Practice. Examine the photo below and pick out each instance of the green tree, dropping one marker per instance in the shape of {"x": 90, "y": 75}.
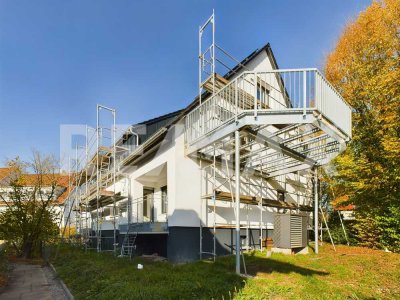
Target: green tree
{"x": 364, "y": 67}
{"x": 31, "y": 199}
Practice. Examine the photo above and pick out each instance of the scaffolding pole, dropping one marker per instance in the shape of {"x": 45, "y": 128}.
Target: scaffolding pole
{"x": 98, "y": 238}
{"x": 214, "y": 206}
{"x": 87, "y": 232}
{"x": 114, "y": 162}
{"x": 316, "y": 208}
{"x": 201, "y": 213}
{"x": 237, "y": 196}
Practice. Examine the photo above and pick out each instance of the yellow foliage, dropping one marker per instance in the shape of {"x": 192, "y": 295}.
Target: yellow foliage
{"x": 365, "y": 68}
{"x": 69, "y": 231}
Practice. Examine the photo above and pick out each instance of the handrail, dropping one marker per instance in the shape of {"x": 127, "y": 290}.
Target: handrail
{"x": 281, "y": 90}
{"x": 333, "y": 88}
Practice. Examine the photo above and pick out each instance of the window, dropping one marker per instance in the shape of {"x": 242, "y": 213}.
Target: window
{"x": 145, "y": 204}
{"x": 280, "y": 195}
{"x": 148, "y": 202}
{"x": 262, "y": 96}
{"x": 106, "y": 212}
{"x": 164, "y": 201}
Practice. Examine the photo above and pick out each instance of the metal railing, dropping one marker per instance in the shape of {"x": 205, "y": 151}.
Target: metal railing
{"x": 275, "y": 90}
{"x": 149, "y": 208}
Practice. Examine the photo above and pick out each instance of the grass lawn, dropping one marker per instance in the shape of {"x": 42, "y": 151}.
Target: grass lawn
{"x": 350, "y": 273}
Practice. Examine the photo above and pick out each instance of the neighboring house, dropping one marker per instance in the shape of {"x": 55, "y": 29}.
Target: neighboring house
{"x": 341, "y": 205}
{"x": 29, "y": 182}
{"x": 172, "y": 189}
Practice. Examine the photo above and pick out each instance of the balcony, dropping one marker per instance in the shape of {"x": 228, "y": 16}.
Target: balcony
{"x": 295, "y": 113}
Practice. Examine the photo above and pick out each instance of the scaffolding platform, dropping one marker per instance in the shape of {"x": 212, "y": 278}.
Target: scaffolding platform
{"x": 252, "y": 200}
{"x": 105, "y": 198}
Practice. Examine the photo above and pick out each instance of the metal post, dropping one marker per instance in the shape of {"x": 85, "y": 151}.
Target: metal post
{"x": 98, "y": 240}
{"x": 76, "y": 188}
{"x": 261, "y": 208}
{"x": 201, "y": 213}
{"x": 316, "y": 208}
{"x": 87, "y": 233}
{"x": 236, "y": 100}
{"x": 304, "y": 93}
{"x": 213, "y": 51}
{"x": 327, "y": 228}
{"x": 114, "y": 182}
{"x": 237, "y": 196}
{"x": 214, "y": 205}
{"x": 200, "y": 63}
{"x": 344, "y": 229}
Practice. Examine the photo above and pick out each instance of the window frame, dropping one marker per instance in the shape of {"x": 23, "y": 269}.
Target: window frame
{"x": 164, "y": 199}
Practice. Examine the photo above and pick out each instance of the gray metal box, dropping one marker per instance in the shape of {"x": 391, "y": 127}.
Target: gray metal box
{"x": 290, "y": 231}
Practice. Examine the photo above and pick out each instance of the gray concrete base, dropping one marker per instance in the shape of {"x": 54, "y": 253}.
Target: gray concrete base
{"x": 302, "y": 250}
{"x": 289, "y": 251}
{"x": 282, "y": 250}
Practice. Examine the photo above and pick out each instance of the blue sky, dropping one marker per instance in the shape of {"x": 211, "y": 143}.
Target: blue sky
{"x": 59, "y": 58}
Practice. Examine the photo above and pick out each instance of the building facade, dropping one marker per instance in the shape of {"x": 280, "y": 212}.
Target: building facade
{"x": 170, "y": 185}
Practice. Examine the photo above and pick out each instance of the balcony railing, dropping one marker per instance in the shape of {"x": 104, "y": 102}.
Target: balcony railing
{"x": 294, "y": 90}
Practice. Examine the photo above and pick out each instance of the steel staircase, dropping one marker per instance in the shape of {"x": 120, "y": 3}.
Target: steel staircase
{"x": 129, "y": 243}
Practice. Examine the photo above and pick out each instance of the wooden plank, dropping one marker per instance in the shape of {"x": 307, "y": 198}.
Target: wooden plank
{"x": 220, "y": 82}
{"x": 227, "y": 196}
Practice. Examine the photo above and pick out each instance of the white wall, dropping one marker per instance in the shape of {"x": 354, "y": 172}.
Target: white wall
{"x": 183, "y": 178}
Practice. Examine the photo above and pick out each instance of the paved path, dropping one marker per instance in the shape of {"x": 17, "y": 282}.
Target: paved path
{"x": 31, "y": 282}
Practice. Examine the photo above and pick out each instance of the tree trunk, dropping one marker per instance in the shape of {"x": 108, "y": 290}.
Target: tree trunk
{"x": 27, "y": 249}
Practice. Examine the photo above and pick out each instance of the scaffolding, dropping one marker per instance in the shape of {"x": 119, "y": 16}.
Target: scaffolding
{"x": 265, "y": 125}
{"x": 93, "y": 177}
{"x": 100, "y": 191}
{"x": 254, "y": 133}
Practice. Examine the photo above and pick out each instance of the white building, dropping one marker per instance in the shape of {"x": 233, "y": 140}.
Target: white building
{"x": 46, "y": 185}
{"x": 168, "y": 185}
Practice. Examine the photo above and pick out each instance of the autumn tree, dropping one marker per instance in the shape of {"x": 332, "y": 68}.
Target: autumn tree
{"x": 30, "y": 192}
{"x": 364, "y": 67}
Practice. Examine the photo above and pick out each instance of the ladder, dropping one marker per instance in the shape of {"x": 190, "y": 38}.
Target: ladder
{"x": 129, "y": 243}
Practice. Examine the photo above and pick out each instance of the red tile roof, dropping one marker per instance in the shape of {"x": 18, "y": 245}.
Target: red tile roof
{"x": 59, "y": 180}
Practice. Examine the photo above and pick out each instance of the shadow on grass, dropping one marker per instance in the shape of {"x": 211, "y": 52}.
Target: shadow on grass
{"x": 256, "y": 265}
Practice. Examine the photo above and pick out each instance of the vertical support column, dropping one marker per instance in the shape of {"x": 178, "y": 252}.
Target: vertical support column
{"x": 261, "y": 209}
{"x": 214, "y": 205}
{"x": 114, "y": 156}
{"x": 87, "y": 232}
{"x": 237, "y": 196}
{"x": 213, "y": 51}
{"x": 201, "y": 213}
{"x": 316, "y": 208}
{"x": 76, "y": 190}
{"x": 236, "y": 100}
{"x": 98, "y": 238}
{"x": 200, "y": 62}
{"x": 304, "y": 93}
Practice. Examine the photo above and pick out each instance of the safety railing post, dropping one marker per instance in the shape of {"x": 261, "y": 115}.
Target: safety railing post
{"x": 304, "y": 93}
{"x": 236, "y": 100}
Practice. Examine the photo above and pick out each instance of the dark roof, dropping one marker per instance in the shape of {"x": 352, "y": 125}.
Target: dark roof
{"x": 239, "y": 66}
{"x": 160, "y": 118}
